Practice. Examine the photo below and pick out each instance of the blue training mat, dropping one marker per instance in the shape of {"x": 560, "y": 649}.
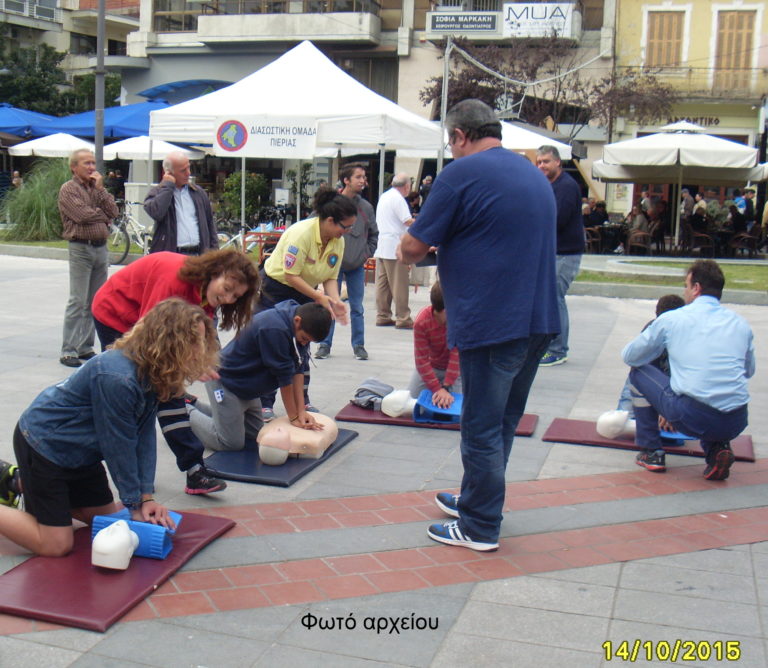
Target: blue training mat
{"x": 154, "y": 540}
{"x": 245, "y": 465}
{"x": 426, "y": 411}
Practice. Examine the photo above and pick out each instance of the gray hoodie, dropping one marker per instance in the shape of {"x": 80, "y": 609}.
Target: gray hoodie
{"x": 361, "y": 241}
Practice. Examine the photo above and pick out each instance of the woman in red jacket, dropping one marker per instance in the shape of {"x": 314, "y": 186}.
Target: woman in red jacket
{"x": 223, "y": 281}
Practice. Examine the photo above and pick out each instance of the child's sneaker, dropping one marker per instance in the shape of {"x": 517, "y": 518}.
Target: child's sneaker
{"x": 9, "y": 484}
{"x": 652, "y": 460}
{"x": 201, "y": 482}
{"x": 267, "y": 414}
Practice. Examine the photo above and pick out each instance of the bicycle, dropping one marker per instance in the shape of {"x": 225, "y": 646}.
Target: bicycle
{"x": 126, "y": 230}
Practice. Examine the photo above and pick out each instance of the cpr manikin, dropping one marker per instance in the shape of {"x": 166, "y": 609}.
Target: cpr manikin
{"x": 114, "y": 546}
{"x": 399, "y": 403}
{"x": 279, "y": 438}
{"x": 616, "y": 424}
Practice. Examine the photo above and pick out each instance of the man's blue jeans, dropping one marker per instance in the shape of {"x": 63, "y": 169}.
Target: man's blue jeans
{"x": 652, "y": 395}
{"x": 567, "y": 268}
{"x": 496, "y": 382}
{"x": 355, "y": 291}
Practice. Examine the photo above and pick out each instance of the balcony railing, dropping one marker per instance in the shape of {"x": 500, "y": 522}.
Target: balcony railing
{"x": 47, "y": 10}
{"x": 120, "y": 7}
{"x": 722, "y": 83}
{"x": 168, "y": 17}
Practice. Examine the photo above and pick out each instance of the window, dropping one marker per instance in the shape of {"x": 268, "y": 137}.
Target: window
{"x": 664, "y": 45}
{"x": 733, "y": 54}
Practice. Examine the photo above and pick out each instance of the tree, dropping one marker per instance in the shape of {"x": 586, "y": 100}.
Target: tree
{"x": 33, "y": 79}
{"x": 256, "y": 194}
{"x": 82, "y": 96}
{"x": 304, "y": 178}
{"x": 565, "y": 95}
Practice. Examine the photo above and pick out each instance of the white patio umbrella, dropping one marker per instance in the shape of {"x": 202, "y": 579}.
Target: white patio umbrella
{"x": 681, "y": 152}
{"x": 59, "y": 145}
{"x": 138, "y": 148}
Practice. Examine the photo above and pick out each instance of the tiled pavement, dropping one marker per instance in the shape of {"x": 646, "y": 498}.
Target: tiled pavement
{"x": 593, "y": 549}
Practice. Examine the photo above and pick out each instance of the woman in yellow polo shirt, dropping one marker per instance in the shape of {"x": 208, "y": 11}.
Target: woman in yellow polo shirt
{"x": 309, "y": 254}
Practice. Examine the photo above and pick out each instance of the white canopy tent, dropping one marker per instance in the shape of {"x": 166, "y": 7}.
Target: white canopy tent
{"x": 680, "y": 153}
{"x": 59, "y": 145}
{"x": 292, "y": 107}
{"x": 513, "y": 137}
{"x": 145, "y": 148}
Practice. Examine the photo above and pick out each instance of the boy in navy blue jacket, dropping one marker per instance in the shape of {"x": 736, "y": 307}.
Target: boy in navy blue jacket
{"x": 271, "y": 352}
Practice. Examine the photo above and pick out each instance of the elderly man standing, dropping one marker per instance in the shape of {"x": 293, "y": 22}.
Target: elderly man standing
{"x": 181, "y": 211}
{"x": 394, "y": 218}
{"x": 87, "y": 210}
{"x": 492, "y": 215}
{"x": 570, "y": 243}
{"x": 359, "y": 245}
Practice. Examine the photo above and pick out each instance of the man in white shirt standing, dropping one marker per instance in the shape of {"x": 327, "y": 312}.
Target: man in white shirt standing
{"x": 394, "y": 218}
{"x": 711, "y": 356}
{"x": 181, "y": 211}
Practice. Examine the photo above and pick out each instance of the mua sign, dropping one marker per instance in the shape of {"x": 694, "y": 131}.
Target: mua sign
{"x": 265, "y": 137}
{"x": 539, "y": 19}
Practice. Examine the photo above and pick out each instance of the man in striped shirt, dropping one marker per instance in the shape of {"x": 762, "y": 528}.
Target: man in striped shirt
{"x": 86, "y": 210}
{"x": 437, "y": 367}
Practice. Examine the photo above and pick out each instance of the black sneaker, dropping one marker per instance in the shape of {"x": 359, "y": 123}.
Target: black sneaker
{"x": 323, "y": 351}
{"x": 9, "y": 484}
{"x": 719, "y": 461}
{"x": 653, "y": 460}
{"x": 200, "y": 482}
{"x": 359, "y": 352}
{"x": 448, "y": 503}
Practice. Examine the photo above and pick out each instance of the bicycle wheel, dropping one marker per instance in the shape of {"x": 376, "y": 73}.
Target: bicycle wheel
{"x": 223, "y": 238}
{"x": 118, "y": 244}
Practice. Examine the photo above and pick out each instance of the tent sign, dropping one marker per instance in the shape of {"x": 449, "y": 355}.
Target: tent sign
{"x": 265, "y": 137}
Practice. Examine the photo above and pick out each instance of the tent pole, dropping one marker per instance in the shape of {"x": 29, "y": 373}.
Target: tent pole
{"x": 242, "y": 196}
{"x": 382, "y": 156}
{"x": 298, "y": 192}
{"x": 677, "y": 205}
{"x": 444, "y": 101}
{"x": 150, "y": 171}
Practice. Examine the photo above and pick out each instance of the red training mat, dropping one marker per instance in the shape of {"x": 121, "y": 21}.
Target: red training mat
{"x": 352, "y": 413}
{"x": 583, "y": 432}
{"x": 70, "y": 591}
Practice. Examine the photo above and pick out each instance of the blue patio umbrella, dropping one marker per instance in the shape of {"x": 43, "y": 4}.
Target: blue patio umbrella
{"x": 131, "y": 120}
{"x": 17, "y": 121}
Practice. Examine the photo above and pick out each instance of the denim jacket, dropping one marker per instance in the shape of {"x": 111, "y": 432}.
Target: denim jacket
{"x": 101, "y": 412}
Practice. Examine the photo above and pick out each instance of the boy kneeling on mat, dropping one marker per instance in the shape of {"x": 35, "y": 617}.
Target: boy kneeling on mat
{"x": 103, "y": 413}
{"x": 271, "y": 352}
{"x": 437, "y": 368}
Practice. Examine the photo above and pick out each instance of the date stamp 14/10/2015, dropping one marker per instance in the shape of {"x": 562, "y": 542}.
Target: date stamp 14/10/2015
{"x": 672, "y": 651}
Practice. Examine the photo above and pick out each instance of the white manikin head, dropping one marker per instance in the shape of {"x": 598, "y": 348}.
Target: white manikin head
{"x": 114, "y": 546}
{"x": 398, "y": 403}
{"x": 614, "y": 424}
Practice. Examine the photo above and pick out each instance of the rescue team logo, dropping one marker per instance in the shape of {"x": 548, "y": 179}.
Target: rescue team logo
{"x": 290, "y": 260}
{"x": 332, "y": 260}
{"x": 231, "y": 135}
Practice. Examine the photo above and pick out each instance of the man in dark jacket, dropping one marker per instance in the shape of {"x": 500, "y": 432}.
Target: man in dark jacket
{"x": 181, "y": 211}
{"x": 570, "y": 243}
{"x": 359, "y": 245}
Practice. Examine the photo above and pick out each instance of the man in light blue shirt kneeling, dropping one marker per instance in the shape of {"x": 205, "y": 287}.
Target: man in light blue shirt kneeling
{"x": 711, "y": 356}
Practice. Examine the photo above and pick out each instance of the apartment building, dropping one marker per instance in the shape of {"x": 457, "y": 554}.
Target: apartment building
{"x": 713, "y": 53}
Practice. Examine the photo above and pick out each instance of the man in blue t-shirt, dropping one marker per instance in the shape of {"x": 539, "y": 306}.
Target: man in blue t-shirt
{"x": 492, "y": 216}
{"x": 570, "y": 242}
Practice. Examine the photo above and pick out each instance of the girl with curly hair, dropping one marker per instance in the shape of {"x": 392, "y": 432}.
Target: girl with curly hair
{"x": 220, "y": 281}
{"x": 103, "y": 413}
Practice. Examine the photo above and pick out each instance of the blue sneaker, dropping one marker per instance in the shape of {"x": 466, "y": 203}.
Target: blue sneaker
{"x": 448, "y": 503}
{"x": 551, "y": 359}
{"x": 310, "y": 408}
{"x": 450, "y": 534}
{"x": 267, "y": 414}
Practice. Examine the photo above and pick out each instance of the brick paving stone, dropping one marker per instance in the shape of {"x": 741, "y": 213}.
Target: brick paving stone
{"x": 363, "y": 563}
{"x": 345, "y": 586}
{"x": 306, "y": 569}
{"x": 445, "y": 575}
{"x": 200, "y": 580}
{"x": 398, "y": 559}
{"x": 240, "y": 598}
{"x": 288, "y": 593}
{"x": 314, "y": 522}
{"x": 178, "y": 605}
{"x": 493, "y": 569}
{"x": 256, "y": 574}
{"x": 391, "y": 581}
